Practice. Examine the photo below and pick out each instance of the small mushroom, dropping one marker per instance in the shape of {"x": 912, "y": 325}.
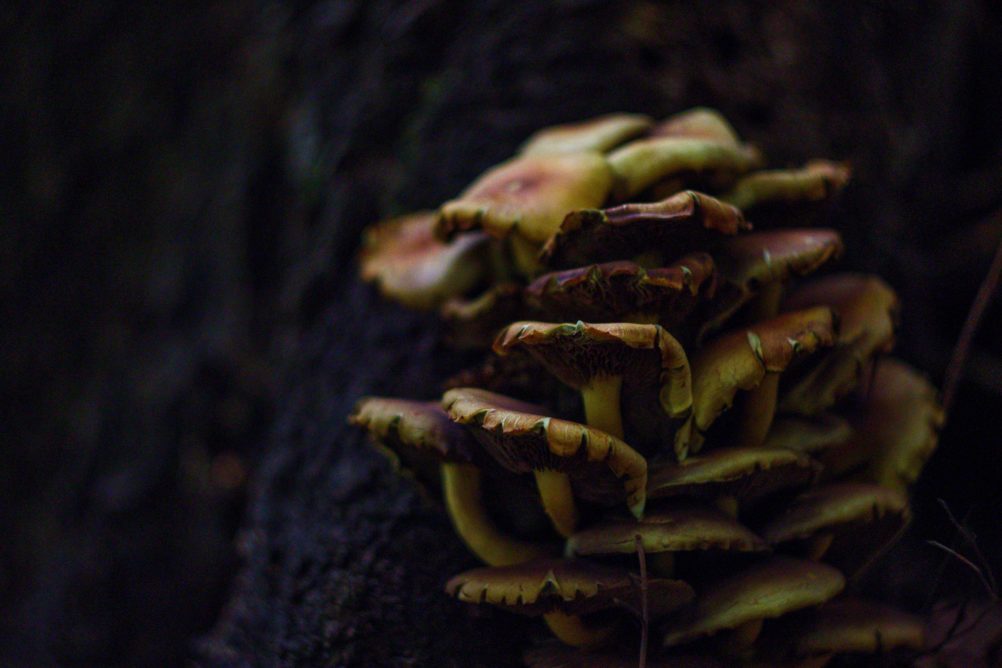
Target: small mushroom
{"x": 563, "y": 589}
{"x": 732, "y": 476}
{"x": 697, "y": 123}
{"x": 414, "y": 430}
{"x": 744, "y": 360}
{"x": 561, "y": 454}
{"x": 596, "y": 134}
{"x": 660, "y": 231}
{"x": 665, "y": 532}
{"x": 867, "y": 310}
{"x": 846, "y": 523}
{"x": 625, "y": 292}
{"x": 767, "y": 590}
{"x": 809, "y": 435}
{"x": 409, "y": 264}
{"x": 607, "y": 362}
{"x": 526, "y": 199}
{"x": 818, "y": 181}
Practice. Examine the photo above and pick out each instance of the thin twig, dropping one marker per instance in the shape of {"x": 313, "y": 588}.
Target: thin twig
{"x": 967, "y": 562}
{"x": 972, "y": 540}
{"x": 955, "y": 369}
{"x": 642, "y": 663}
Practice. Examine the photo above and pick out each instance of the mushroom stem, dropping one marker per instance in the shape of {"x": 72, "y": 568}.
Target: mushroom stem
{"x": 765, "y": 304}
{"x": 558, "y": 500}
{"x": 525, "y": 254}
{"x": 462, "y": 490}
{"x": 572, "y": 631}
{"x": 741, "y": 638}
{"x": 818, "y": 546}
{"x": 662, "y": 564}
{"x": 728, "y": 504}
{"x": 758, "y": 411}
{"x": 601, "y": 404}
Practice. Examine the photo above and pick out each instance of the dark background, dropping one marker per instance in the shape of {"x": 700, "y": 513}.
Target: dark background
{"x": 183, "y": 187}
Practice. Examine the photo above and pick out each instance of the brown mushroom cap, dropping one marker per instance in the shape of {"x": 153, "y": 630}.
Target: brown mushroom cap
{"x": 697, "y": 123}
{"x": 521, "y": 438}
{"x": 867, "y": 309}
{"x": 809, "y": 435}
{"x": 862, "y": 519}
{"x": 846, "y": 625}
{"x": 409, "y": 264}
{"x": 671, "y": 227}
{"x": 819, "y": 180}
{"x": 408, "y": 427}
{"x": 625, "y": 291}
{"x": 529, "y": 196}
{"x": 747, "y": 474}
{"x": 572, "y": 586}
{"x": 595, "y": 134}
{"x": 740, "y": 361}
{"x": 766, "y": 590}
{"x": 683, "y": 529}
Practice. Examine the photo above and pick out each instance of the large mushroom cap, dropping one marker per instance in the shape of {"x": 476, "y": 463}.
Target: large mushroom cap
{"x": 625, "y": 291}
{"x": 572, "y": 586}
{"x": 409, "y": 264}
{"x": 529, "y": 195}
{"x": 747, "y": 474}
{"x": 809, "y": 435}
{"x": 596, "y": 134}
{"x": 867, "y": 309}
{"x": 818, "y": 181}
{"x": 860, "y": 518}
{"x": 740, "y": 360}
{"x": 683, "y": 529}
{"x": 767, "y": 590}
{"x": 671, "y": 227}
{"x": 521, "y": 438}
{"x": 409, "y": 428}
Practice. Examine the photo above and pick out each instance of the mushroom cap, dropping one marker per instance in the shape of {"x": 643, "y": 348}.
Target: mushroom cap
{"x": 748, "y": 474}
{"x": 473, "y": 323}
{"x": 573, "y": 586}
{"x": 682, "y": 529}
{"x": 529, "y": 195}
{"x": 817, "y": 181}
{"x": 697, "y": 123}
{"x": 740, "y": 360}
{"x": 409, "y": 264}
{"x": 810, "y": 435}
{"x": 867, "y": 309}
{"x": 522, "y": 439}
{"x": 407, "y": 427}
{"x": 625, "y": 291}
{"x": 644, "y": 355}
{"x": 595, "y": 134}
{"x": 672, "y": 227}
{"x": 770, "y": 589}
{"x": 862, "y": 518}
{"x": 847, "y": 625}
{"x": 644, "y": 162}
{"x": 558, "y": 655}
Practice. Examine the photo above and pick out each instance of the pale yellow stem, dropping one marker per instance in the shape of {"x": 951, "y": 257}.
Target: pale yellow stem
{"x": 526, "y": 256}
{"x": 662, "y": 564}
{"x": 462, "y": 490}
{"x": 757, "y": 412}
{"x": 601, "y": 404}
{"x": 558, "y": 500}
{"x": 572, "y": 631}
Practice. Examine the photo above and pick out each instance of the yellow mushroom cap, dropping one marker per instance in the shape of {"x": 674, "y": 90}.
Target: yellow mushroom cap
{"x": 529, "y": 196}
{"x": 573, "y": 586}
{"x": 420, "y": 427}
{"x": 521, "y": 438}
{"x": 818, "y": 181}
{"x": 766, "y": 590}
{"x": 595, "y": 134}
{"x": 697, "y": 123}
{"x": 681, "y": 529}
{"x": 409, "y": 264}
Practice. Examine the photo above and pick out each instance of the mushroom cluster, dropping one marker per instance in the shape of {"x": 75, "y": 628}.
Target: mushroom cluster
{"x": 672, "y": 424}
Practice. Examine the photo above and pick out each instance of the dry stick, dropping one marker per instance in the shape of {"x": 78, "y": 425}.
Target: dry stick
{"x": 972, "y": 540}
{"x": 643, "y": 601}
{"x": 967, "y": 562}
{"x": 955, "y": 368}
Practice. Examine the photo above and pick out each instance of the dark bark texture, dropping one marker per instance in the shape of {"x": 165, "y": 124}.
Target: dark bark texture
{"x": 188, "y": 188}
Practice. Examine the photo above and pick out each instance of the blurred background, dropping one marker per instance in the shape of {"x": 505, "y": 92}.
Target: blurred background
{"x": 182, "y": 195}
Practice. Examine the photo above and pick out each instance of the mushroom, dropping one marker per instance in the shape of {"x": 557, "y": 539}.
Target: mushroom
{"x": 665, "y": 532}
{"x": 409, "y": 264}
{"x": 625, "y": 292}
{"x": 414, "y": 430}
{"x": 601, "y": 134}
{"x": 732, "y": 476}
{"x": 473, "y": 323}
{"x": 660, "y": 231}
{"x": 809, "y": 435}
{"x": 740, "y": 603}
{"x": 525, "y": 200}
{"x": 844, "y": 626}
{"x": 563, "y": 589}
{"x": 744, "y": 360}
{"x": 867, "y": 310}
{"x": 818, "y": 181}
{"x": 846, "y": 523}
{"x": 697, "y": 123}
{"x": 607, "y": 362}
{"x": 601, "y": 468}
